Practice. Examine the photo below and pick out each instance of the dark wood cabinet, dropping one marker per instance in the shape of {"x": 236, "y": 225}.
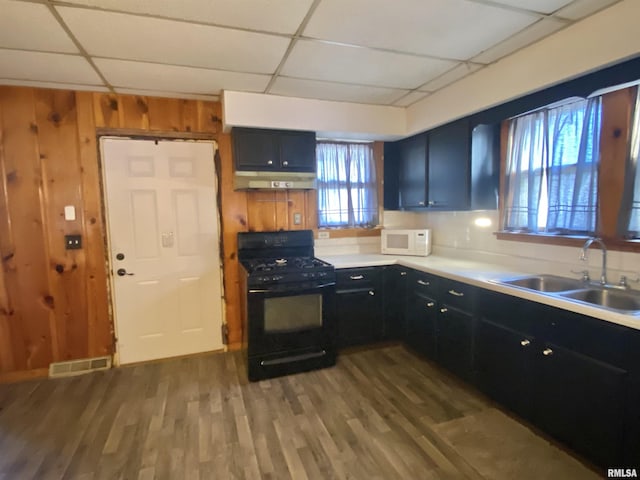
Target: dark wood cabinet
{"x": 575, "y": 386}
{"x": 395, "y": 299}
{"x": 448, "y": 167}
{"x": 359, "y": 306}
{"x": 412, "y": 174}
{"x": 453, "y": 167}
{"x": 456, "y": 327}
{"x": 422, "y": 313}
{"x": 274, "y": 150}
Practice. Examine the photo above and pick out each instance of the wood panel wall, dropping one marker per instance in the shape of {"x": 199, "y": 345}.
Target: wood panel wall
{"x": 54, "y": 303}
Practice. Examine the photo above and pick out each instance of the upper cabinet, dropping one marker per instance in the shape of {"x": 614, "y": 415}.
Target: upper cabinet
{"x": 452, "y": 167}
{"x": 274, "y": 150}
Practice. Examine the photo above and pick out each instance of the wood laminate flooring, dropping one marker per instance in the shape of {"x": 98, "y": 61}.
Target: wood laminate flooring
{"x": 381, "y": 413}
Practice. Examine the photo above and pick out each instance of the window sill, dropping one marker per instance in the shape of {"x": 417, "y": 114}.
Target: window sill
{"x": 615, "y": 244}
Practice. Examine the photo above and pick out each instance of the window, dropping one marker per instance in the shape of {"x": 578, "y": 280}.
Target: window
{"x": 347, "y": 185}
{"x": 551, "y": 182}
{"x": 633, "y": 226}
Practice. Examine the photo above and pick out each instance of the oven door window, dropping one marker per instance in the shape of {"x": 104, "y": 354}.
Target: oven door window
{"x": 290, "y": 314}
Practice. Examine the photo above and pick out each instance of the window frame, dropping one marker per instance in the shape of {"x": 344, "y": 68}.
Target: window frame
{"x": 341, "y": 232}
{"x": 617, "y": 108}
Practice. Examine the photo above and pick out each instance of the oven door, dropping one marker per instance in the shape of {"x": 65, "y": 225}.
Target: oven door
{"x": 291, "y": 317}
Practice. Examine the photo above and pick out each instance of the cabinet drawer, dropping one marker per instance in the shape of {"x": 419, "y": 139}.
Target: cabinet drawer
{"x": 356, "y": 278}
{"x": 456, "y": 294}
{"x": 423, "y": 284}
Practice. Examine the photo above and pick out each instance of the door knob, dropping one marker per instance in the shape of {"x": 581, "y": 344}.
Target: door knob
{"x": 122, "y": 272}
{"x": 524, "y": 342}
{"x": 547, "y": 352}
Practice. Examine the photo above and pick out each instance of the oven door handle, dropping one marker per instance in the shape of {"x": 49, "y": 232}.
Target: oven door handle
{"x": 295, "y": 289}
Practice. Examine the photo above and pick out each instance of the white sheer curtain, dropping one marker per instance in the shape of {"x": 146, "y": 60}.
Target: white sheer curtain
{"x": 572, "y": 175}
{"x": 552, "y": 169}
{"x": 347, "y": 187}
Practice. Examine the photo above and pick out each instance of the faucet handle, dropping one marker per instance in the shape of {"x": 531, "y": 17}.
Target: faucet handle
{"x": 584, "y": 273}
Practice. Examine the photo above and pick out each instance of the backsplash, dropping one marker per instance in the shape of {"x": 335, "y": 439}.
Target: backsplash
{"x": 346, "y": 246}
{"x": 458, "y": 235}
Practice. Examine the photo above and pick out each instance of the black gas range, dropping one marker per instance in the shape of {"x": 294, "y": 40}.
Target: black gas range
{"x": 289, "y": 316}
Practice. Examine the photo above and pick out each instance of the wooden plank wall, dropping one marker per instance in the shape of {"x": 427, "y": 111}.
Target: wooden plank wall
{"x": 54, "y": 303}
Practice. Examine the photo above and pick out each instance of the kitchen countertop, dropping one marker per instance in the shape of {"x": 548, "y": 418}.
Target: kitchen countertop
{"x": 480, "y": 274}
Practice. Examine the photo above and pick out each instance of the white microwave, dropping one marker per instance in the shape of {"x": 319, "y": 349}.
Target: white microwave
{"x": 406, "y": 242}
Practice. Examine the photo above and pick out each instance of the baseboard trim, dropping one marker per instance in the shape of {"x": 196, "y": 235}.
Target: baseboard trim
{"x": 23, "y": 375}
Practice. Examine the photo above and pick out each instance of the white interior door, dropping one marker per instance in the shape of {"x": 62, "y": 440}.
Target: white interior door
{"x": 163, "y": 232}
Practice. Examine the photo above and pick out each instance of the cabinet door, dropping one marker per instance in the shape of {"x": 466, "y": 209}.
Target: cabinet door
{"x": 298, "y": 151}
{"x": 255, "y": 149}
{"x": 455, "y": 341}
{"x": 412, "y": 184}
{"x": 449, "y": 163}
{"x": 503, "y": 365}
{"x": 485, "y": 167}
{"x": 581, "y": 401}
{"x": 359, "y": 317}
{"x": 421, "y": 314}
{"x": 395, "y": 298}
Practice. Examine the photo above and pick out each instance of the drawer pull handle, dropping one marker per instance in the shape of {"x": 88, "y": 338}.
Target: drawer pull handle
{"x": 285, "y": 163}
{"x": 372, "y": 293}
{"x": 443, "y": 310}
{"x": 356, "y": 277}
{"x": 547, "y": 351}
{"x": 524, "y": 342}
{"x": 402, "y": 274}
{"x": 456, "y": 294}
{"x": 430, "y": 304}
{"x": 269, "y": 162}
{"x": 422, "y": 282}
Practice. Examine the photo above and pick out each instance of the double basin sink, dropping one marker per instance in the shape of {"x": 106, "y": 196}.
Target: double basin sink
{"x": 609, "y": 298}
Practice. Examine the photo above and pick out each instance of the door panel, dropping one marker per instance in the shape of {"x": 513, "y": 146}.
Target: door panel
{"x": 162, "y": 216}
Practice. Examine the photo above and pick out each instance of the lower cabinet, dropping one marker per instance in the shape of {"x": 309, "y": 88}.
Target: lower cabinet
{"x": 574, "y": 387}
{"x": 421, "y": 313}
{"x": 395, "y": 299}
{"x": 359, "y": 304}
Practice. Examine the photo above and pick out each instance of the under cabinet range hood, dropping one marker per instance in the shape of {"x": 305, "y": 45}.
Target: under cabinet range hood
{"x": 243, "y": 180}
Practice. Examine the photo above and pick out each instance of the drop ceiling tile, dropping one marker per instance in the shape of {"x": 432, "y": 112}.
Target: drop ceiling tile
{"x": 63, "y": 86}
{"x": 31, "y": 26}
{"x": 583, "y": 8}
{"x": 457, "y": 29}
{"x": 541, "y": 6}
{"x": 535, "y": 32}
{"x": 170, "y": 78}
{"x": 283, "y": 16}
{"x": 411, "y": 98}
{"x": 47, "y": 67}
{"x": 340, "y": 92}
{"x": 155, "y": 93}
{"x": 455, "y": 74}
{"x": 131, "y": 37}
{"x": 363, "y": 66}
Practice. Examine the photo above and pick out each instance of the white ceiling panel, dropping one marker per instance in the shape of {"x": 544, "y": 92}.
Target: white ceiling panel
{"x": 31, "y": 26}
{"x": 133, "y": 37}
{"x": 456, "y": 73}
{"x": 411, "y": 98}
{"x": 341, "y": 63}
{"x": 457, "y": 29}
{"x": 153, "y": 76}
{"x": 526, "y": 37}
{"x": 62, "y": 86}
{"x": 47, "y": 67}
{"x": 583, "y": 8}
{"x": 283, "y": 16}
{"x": 541, "y": 6}
{"x": 155, "y": 93}
{"x": 340, "y": 92}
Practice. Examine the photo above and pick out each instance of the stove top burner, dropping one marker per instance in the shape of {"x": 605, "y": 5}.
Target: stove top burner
{"x": 258, "y": 265}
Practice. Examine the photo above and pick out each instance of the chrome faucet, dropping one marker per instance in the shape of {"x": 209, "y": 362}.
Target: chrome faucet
{"x": 603, "y": 247}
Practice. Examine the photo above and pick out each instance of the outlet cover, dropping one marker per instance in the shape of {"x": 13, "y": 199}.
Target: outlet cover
{"x": 72, "y": 242}
{"x": 323, "y": 234}
{"x": 297, "y": 218}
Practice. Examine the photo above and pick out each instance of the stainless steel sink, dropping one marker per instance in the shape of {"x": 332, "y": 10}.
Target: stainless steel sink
{"x": 544, "y": 283}
{"x": 624, "y": 301}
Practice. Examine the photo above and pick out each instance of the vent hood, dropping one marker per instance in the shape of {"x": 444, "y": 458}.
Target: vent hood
{"x": 243, "y": 180}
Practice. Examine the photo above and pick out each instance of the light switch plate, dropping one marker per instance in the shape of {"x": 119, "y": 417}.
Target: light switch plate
{"x": 72, "y": 242}
{"x": 69, "y": 213}
{"x": 297, "y": 218}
